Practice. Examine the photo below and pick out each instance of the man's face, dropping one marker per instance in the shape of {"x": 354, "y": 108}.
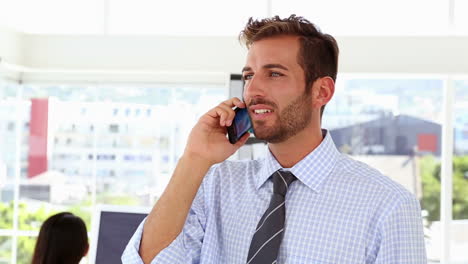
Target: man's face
{"x": 274, "y": 89}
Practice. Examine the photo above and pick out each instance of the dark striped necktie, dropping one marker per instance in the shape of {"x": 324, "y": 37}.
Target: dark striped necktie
{"x": 266, "y": 240}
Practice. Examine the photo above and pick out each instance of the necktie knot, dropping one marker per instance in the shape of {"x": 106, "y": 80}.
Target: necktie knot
{"x": 281, "y": 181}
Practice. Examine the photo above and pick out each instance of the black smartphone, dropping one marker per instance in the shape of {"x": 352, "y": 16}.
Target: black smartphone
{"x": 240, "y": 125}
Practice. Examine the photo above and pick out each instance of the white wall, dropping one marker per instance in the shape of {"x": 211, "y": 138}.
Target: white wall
{"x": 134, "y": 53}
{"x": 161, "y": 59}
{"x": 11, "y": 46}
{"x": 404, "y": 54}
{"x": 209, "y": 59}
{"x": 10, "y": 52}
{"x": 358, "y": 54}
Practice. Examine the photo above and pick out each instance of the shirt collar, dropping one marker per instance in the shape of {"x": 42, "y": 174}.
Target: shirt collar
{"x": 312, "y": 170}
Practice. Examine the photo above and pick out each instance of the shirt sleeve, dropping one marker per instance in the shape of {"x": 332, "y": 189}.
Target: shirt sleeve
{"x": 400, "y": 238}
{"x": 185, "y": 249}
{"x": 130, "y": 254}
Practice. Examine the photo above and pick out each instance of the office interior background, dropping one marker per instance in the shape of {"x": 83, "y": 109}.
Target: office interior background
{"x": 97, "y": 98}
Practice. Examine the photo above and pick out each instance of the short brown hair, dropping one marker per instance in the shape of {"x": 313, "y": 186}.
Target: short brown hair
{"x": 318, "y": 54}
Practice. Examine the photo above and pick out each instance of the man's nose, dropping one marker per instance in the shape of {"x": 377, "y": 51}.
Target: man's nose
{"x": 253, "y": 88}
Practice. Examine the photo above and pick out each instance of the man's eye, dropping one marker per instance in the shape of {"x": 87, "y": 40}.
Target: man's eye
{"x": 247, "y": 77}
{"x": 275, "y": 74}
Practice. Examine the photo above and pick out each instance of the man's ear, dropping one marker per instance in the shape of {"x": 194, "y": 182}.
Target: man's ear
{"x": 323, "y": 91}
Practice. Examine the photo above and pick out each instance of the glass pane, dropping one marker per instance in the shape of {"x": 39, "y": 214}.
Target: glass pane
{"x": 393, "y": 125}
{"x": 97, "y": 138}
{"x": 5, "y": 250}
{"x": 49, "y": 182}
{"x": 370, "y": 17}
{"x": 140, "y": 135}
{"x": 203, "y": 17}
{"x": 7, "y": 89}
{"x": 25, "y": 249}
{"x": 6, "y": 207}
{"x": 459, "y": 227}
{"x": 81, "y": 93}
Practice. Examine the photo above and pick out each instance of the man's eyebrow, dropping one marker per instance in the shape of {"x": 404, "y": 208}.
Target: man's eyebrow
{"x": 267, "y": 66}
{"x": 270, "y": 66}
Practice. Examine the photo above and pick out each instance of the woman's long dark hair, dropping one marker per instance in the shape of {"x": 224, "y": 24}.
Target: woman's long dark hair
{"x": 63, "y": 239}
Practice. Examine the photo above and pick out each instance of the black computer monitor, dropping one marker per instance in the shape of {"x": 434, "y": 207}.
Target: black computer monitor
{"x": 113, "y": 226}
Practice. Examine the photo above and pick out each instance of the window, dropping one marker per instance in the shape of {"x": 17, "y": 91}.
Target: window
{"x": 393, "y": 124}
{"x": 94, "y": 165}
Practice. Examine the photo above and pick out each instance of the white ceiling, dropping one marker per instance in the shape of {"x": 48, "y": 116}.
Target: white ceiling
{"x": 226, "y": 18}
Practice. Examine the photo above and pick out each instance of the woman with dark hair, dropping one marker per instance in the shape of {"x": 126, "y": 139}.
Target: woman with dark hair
{"x": 63, "y": 239}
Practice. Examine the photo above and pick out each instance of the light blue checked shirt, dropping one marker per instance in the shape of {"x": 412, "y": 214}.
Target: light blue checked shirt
{"x": 338, "y": 211}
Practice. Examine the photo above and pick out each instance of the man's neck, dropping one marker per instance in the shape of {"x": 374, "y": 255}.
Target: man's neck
{"x": 293, "y": 150}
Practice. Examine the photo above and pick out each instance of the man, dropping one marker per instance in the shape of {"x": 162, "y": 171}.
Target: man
{"x": 304, "y": 202}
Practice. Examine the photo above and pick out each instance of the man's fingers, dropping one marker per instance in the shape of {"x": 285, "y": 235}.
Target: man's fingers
{"x": 225, "y": 112}
{"x": 223, "y": 115}
{"x": 230, "y": 114}
{"x": 234, "y": 102}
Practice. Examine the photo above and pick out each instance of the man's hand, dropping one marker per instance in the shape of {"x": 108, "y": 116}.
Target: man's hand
{"x": 207, "y": 140}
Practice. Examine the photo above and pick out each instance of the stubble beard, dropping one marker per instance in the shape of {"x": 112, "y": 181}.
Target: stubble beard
{"x": 291, "y": 120}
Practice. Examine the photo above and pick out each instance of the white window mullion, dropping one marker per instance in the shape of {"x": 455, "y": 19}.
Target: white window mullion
{"x": 446, "y": 172}
{"x": 96, "y": 129}
{"x": 16, "y": 182}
